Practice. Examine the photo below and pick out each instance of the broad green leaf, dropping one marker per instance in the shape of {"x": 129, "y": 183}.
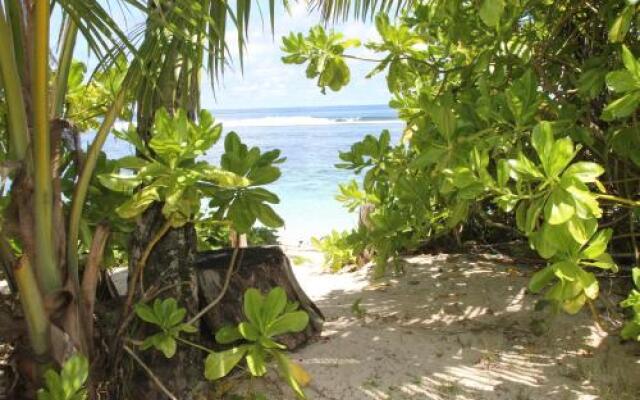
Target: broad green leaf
{"x": 631, "y": 330}
{"x": 252, "y": 306}
{"x": 491, "y": 11}
{"x": 249, "y": 331}
{"x": 541, "y": 278}
{"x": 560, "y": 156}
{"x": 559, "y": 207}
{"x": 523, "y": 168}
{"x": 228, "y": 334}
{"x": 584, "y": 171}
{"x": 120, "y": 183}
{"x": 274, "y": 304}
{"x": 285, "y": 367}
{"x": 264, "y": 175}
{"x": 630, "y": 62}
{"x": 578, "y": 230}
{"x": 291, "y": 322}
{"x": 444, "y": 119}
{"x": 74, "y": 374}
{"x": 256, "y": 361}
{"x": 219, "y": 364}
{"x": 542, "y": 141}
{"x": 574, "y": 305}
{"x": 145, "y": 313}
{"x": 597, "y": 245}
{"x": 166, "y": 344}
{"x": 635, "y": 274}
{"x": 622, "y": 81}
{"x": 268, "y": 216}
{"x": 586, "y": 204}
{"x": 138, "y": 203}
{"x": 590, "y": 284}
{"x": 621, "y": 25}
{"x": 622, "y": 107}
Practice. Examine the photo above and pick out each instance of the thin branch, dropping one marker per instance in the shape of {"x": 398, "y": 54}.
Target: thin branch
{"x": 137, "y": 273}
{"x": 149, "y": 372}
{"x": 225, "y": 286}
{"x": 619, "y": 200}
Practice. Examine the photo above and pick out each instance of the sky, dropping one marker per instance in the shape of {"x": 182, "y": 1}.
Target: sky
{"x": 267, "y": 82}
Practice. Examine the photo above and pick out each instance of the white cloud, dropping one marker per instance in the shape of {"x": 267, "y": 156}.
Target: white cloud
{"x": 267, "y": 82}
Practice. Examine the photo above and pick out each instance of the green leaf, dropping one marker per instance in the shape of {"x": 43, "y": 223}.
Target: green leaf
{"x": 597, "y": 245}
{"x": 523, "y": 168}
{"x": 252, "y": 306}
{"x": 586, "y": 204}
{"x": 578, "y": 230}
{"x": 560, "y": 156}
{"x": 559, "y": 207}
{"x": 228, "y": 334}
{"x": 268, "y": 216}
{"x": 444, "y": 119}
{"x": 631, "y": 330}
{"x": 138, "y": 203}
{"x": 622, "y": 107}
{"x": 256, "y": 361}
{"x": 264, "y": 175}
{"x": 145, "y": 313}
{"x": 166, "y": 344}
{"x": 286, "y": 370}
{"x": 120, "y": 183}
{"x": 621, "y": 25}
{"x": 491, "y": 11}
{"x": 584, "y": 171}
{"x": 219, "y": 364}
{"x": 274, "y": 304}
{"x": 249, "y": 331}
{"x": 541, "y": 278}
{"x": 622, "y": 81}
{"x": 73, "y": 376}
{"x": 542, "y": 141}
{"x": 242, "y": 215}
{"x": 630, "y": 62}
{"x": 635, "y": 274}
{"x": 295, "y": 321}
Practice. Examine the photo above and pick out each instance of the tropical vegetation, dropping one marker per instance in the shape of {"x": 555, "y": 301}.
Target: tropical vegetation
{"x": 520, "y": 116}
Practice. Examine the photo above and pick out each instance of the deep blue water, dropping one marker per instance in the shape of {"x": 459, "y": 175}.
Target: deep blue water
{"x": 310, "y": 139}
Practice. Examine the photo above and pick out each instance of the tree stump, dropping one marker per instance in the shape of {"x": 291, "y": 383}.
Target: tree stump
{"x": 256, "y": 267}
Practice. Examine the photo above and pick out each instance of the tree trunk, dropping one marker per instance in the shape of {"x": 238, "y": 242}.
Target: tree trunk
{"x": 256, "y": 267}
{"x": 170, "y": 268}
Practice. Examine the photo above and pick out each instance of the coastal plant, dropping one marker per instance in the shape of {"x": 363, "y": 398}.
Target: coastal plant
{"x": 166, "y": 315}
{"x": 69, "y": 384}
{"x": 510, "y": 119}
{"x": 631, "y": 329}
{"x": 337, "y": 248}
{"x": 267, "y": 317}
{"x": 55, "y": 228}
{"x": 169, "y": 170}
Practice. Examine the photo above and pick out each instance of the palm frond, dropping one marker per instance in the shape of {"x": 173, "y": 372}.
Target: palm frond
{"x": 336, "y": 10}
{"x": 99, "y": 29}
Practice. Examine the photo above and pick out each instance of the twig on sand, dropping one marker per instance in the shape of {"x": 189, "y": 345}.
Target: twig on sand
{"x": 149, "y": 372}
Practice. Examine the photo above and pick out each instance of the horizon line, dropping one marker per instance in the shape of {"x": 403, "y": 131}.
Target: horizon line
{"x": 296, "y": 107}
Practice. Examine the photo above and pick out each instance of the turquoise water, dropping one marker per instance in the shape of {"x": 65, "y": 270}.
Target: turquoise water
{"x": 310, "y": 139}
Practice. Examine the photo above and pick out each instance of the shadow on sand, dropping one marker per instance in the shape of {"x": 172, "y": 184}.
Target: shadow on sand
{"x": 456, "y": 328}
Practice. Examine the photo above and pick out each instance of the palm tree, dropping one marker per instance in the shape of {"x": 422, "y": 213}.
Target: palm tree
{"x": 39, "y": 239}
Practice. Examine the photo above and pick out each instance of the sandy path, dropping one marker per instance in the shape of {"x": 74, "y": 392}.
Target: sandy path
{"x": 453, "y": 328}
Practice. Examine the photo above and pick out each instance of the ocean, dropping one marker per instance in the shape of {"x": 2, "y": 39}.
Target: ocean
{"x": 310, "y": 139}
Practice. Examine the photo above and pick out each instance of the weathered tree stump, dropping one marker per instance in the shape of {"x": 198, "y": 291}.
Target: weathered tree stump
{"x": 256, "y": 267}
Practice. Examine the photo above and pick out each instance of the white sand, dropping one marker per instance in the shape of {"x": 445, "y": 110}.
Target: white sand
{"x": 452, "y": 328}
